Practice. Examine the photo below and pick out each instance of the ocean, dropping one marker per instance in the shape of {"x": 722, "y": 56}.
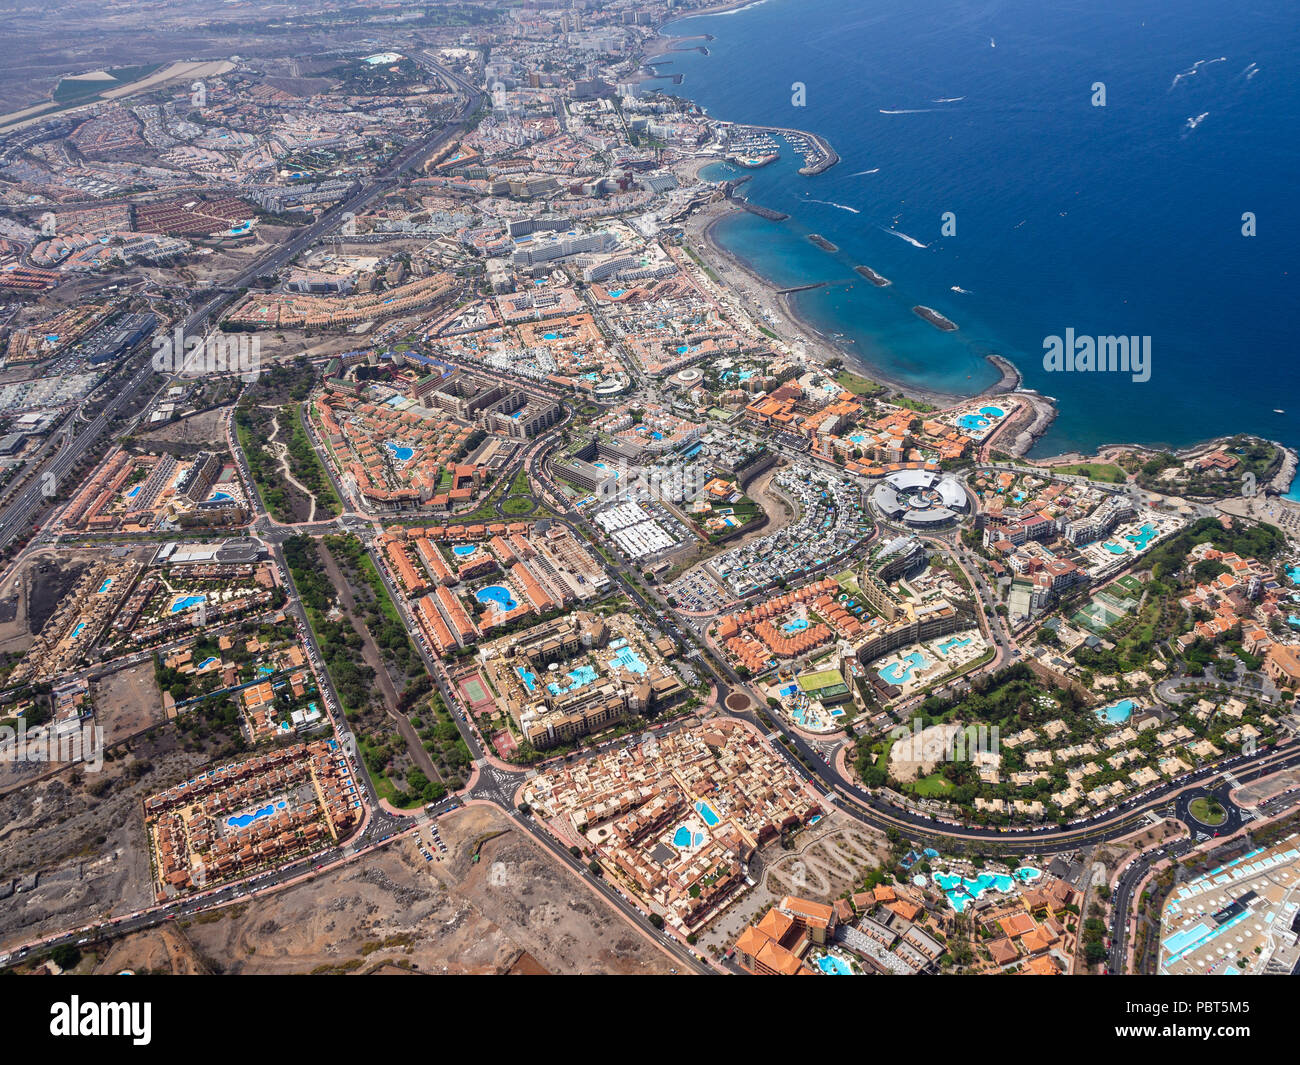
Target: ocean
{"x": 1117, "y": 220}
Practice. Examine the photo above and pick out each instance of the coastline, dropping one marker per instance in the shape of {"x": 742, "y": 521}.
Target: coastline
{"x": 759, "y": 290}
{"x": 765, "y": 294}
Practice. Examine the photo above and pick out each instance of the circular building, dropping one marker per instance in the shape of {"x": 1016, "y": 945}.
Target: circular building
{"x": 921, "y": 499}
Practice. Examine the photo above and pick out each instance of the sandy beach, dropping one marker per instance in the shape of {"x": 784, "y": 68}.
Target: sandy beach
{"x": 776, "y": 312}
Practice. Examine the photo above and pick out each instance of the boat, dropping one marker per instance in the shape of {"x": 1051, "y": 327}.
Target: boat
{"x": 1278, "y": 411}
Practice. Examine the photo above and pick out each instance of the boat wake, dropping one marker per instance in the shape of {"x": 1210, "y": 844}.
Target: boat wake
{"x": 948, "y": 100}
{"x": 1195, "y": 69}
{"x": 903, "y": 236}
{"x": 1251, "y": 71}
{"x": 832, "y": 203}
{"x": 907, "y": 110}
{"x": 1192, "y": 123}
{"x": 860, "y": 173}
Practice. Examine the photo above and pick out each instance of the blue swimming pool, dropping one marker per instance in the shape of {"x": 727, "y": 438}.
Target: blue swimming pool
{"x": 77, "y": 631}
{"x": 1114, "y": 548}
{"x": 992, "y": 412}
{"x": 901, "y": 672}
{"x": 952, "y": 644}
{"x": 219, "y": 497}
{"x": 244, "y": 820}
{"x": 833, "y": 966}
{"x": 614, "y": 293}
{"x": 400, "y": 452}
{"x": 207, "y": 662}
{"x": 962, "y": 890}
{"x": 972, "y": 421}
{"x": 184, "y": 602}
{"x": 461, "y": 550}
{"x": 797, "y": 625}
{"x": 578, "y": 678}
{"x": 1116, "y": 713}
{"x": 684, "y": 838}
{"x": 550, "y": 336}
{"x": 108, "y": 581}
{"x": 134, "y": 491}
{"x": 528, "y": 677}
{"x": 1142, "y": 537}
{"x": 706, "y": 811}
{"x": 497, "y": 594}
{"x": 627, "y": 657}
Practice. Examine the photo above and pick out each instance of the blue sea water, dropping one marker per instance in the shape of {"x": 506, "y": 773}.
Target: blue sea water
{"x": 1124, "y": 219}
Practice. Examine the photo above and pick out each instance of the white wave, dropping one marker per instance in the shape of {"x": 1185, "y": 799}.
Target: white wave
{"x": 1251, "y": 70}
{"x": 948, "y": 100}
{"x": 832, "y": 203}
{"x": 992, "y": 43}
{"x": 860, "y": 173}
{"x": 963, "y": 291}
{"x": 908, "y": 110}
{"x": 1192, "y": 123}
{"x": 1195, "y": 68}
{"x": 738, "y": 10}
{"x": 903, "y": 236}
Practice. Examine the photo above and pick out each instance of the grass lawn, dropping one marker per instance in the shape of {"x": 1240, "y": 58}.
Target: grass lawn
{"x": 858, "y": 385}
{"x": 933, "y": 786}
{"x": 1095, "y": 471}
{"x": 1201, "y": 810}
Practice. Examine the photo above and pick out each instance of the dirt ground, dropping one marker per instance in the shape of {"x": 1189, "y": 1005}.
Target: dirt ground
{"x": 127, "y": 702}
{"x": 206, "y": 429}
{"x": 80, "y": 835}
{"x": 516, "y": 910}
{"x": 31, "y": 594}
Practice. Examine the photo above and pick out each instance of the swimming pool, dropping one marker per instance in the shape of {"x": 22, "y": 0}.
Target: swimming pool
{"x": 578, "y": 678}
{"x": 219, "y": 497}
{"x": 614, "y": 293}
{"x": 105, "y": 586}
{"x": 797, "y": 625}
{"x": 497, "y": 594}
{"x": 953, "y": 643}
{"x": 461, "y": 550}
{"x": 77, "y": 631}
{"x": 184, "y": 602}
{"x": 627, "y": 658}
{"x": 207, "y": 662}
{"x": 134, "y": 491}
{"x": 400, "y": 452}
{"x": 244, "y": 820}
{"x": 684, "y": 838}
{"x": 528, "y": 677}
{"x": 901, "y": 672}
{"x": 992, "y": 412}
{"x": 1142, "y": 537}
{"x": 550, "y": 336}
{"x": 706, "y": 811}
{"x": 1113, "y": 548}
{"x": 972, "y": 421}
{"x": 1116, "y": 713}
{"x": 833, "y": 966}
{"x": 962, "y": 890}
